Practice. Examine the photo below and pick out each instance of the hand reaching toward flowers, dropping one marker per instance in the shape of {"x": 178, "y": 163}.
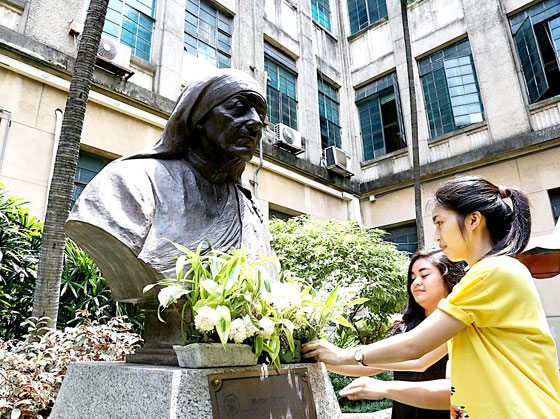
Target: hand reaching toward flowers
{"x": 323, "y": 350}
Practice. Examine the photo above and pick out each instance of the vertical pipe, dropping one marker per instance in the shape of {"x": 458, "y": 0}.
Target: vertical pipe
{"x": 6, "y": 131}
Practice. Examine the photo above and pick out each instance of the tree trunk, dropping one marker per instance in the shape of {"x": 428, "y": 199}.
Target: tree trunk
{"x": 51, "y": 258}
{"x": 414, "y": 125}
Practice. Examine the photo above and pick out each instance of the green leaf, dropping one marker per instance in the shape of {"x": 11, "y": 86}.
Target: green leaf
{"x": 224, "y": 324}
{"x": 258, "y": 345}
{"x": 357, "y": 302}
{"x": 342, "y": 321}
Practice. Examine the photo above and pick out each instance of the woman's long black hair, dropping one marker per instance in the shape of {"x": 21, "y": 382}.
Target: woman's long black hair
{"x": 452, "y": 272}
{"x": 509, "y": 227}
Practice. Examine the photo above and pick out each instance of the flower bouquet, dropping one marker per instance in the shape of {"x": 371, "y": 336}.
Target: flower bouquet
{"x": 233, "y": 302}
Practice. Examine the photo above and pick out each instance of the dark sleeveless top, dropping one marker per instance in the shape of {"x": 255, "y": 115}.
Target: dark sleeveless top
{"x": 405, "y": 411}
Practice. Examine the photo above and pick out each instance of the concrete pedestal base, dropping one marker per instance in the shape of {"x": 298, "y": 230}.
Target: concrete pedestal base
{"x": 120, "y": 390}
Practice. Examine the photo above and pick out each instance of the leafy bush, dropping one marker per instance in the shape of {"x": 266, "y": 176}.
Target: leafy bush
{"x": 359, "y": 406}
{"x": 82, "y": 285}
{"x": 31, "y": 370}
{"x": 20, "y": 239}
{"x": 329, "y": 253}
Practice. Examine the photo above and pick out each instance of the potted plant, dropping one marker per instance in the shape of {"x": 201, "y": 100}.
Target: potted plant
{"x": 238, "y": 313}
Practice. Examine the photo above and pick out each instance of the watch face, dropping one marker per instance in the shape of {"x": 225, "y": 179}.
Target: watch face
{"x": 358, "y": 355}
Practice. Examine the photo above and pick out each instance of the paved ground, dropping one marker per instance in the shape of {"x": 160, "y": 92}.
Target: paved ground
{"x": 382, "y": 414}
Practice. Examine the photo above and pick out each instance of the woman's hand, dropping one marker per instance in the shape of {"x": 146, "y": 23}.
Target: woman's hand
{"x": 365, "y": 388}
{"x": 326, "y": 352}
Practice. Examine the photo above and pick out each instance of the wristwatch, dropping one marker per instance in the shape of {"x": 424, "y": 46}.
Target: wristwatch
{"x": 359, "y": 357}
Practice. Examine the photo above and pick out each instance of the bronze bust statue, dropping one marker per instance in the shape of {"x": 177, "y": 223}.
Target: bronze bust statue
{"x": 186, "y": 189}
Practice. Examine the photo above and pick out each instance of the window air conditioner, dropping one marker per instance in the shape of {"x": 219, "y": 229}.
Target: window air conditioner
{"x": 338, "y": 161}
{"x": 114, "y": 57}
{"x": 288, "y": 138}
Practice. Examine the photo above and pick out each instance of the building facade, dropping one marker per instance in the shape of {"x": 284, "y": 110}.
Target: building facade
{"x": 487, "y": 87}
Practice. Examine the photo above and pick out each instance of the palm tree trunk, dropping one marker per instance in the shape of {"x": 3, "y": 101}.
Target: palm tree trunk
{"x": 413, "y": 125}
{"x": 51, "y": 257}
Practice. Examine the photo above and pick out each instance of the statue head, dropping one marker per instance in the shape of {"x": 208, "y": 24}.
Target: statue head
{"x": 222, "y": 112}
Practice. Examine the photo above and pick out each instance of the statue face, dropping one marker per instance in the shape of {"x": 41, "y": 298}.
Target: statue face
{"x": 235, "y": 126}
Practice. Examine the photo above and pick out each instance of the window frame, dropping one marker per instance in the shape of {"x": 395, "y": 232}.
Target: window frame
{"x": 283, "y": 87}
{"x": 542, "y": 13}
{"x": 369, "y": 21}
{"x": 408, "y": 225}
{"x": 119, "y": 27}
{"x": 222, "y": 39}
{"x": 322, "y": 91}
{"x": 436, "y": 89}
{"x": 372, "y": 93}
{"x": 321, "y": 15}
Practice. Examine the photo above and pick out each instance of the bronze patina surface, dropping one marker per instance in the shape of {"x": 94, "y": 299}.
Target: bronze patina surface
{"x": 284, "y": 394}
{"x": 187, "y": 190}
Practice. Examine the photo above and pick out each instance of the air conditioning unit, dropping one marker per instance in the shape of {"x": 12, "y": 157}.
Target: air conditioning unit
{"x": 338, "y": 161}
{"x": 114, "y": 57}
{"x": 288, "y": 138}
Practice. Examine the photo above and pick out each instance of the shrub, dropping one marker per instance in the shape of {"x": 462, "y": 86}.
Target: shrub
{"x": 31, "y": 370}
{"x": 359, "y": 406}
{"x": 83, "y": 287}
{"x": 329, "y": 253}
{"x": 20, "y": 239}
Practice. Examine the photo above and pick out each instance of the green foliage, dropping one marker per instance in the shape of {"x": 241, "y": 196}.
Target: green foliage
{"x": 82, "y": 285}
{"x": 329, "y": 253}
{"x": 20, "y": 239}
{"x": 32, "y": 370}
{"x": 359, "y": 406}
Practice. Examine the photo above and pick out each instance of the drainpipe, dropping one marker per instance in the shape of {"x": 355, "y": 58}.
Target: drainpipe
{"x": 6, "y": 131}
{"x": 57, "y": 128}
{"x": 261, "y": 160}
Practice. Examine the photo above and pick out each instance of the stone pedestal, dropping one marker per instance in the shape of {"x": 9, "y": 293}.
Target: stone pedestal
{"x": 120, "y": 390}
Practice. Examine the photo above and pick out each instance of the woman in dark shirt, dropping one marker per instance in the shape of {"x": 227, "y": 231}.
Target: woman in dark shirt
{"x": 431, "y": 277}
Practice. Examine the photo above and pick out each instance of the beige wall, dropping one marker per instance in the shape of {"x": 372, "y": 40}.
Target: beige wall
{"x": 277, "y": 190}
{"x": 535, "y": 174}
{"x": 29, "y": 147}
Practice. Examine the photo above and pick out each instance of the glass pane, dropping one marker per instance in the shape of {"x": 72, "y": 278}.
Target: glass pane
{"x": 531, "y": 61}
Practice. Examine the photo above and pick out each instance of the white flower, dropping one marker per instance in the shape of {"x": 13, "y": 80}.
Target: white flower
{"x": 206, "y": 318}
{"x": 266, "y": 297}
{"x": 250, "y": 329}
{"x": 238, "y": 330}
{"x": 170, "y": 294}
{"x": 285, "y": 295}
{"x": 209, "y": 285}
{"x": 267, "y": 325}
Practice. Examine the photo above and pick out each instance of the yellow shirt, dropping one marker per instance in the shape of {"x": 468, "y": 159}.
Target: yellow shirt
{"x": 503, "y": 364}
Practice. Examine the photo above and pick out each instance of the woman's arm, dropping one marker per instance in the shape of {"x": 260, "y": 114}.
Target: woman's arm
{"x": 434, "y": 394}
{"x": 415, "y": 365}
{"x": 353, "y": 370}
{"x": 437, "y": 329}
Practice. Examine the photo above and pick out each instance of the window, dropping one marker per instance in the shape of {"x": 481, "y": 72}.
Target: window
{"x": 364, "y": 13}
{"x": 88, "y": 166}
{"x": 208, "y": 33}
{"x": 405, "y": 237}
{"x": 132, "y": 23}
{"x": 281, "y": 87}
{"x": 329, "y": 115}
{"x": 451, "y": 89}
{"x": 536, "y": 32}
{"x": 278, "y": 215}
{"x": 381, "y": 123}
{"x": 554, "y": 195}
{"x": 321, "y": 12}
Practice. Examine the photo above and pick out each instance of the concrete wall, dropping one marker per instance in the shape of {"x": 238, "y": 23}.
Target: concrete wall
{"x": 535, "y": 174}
